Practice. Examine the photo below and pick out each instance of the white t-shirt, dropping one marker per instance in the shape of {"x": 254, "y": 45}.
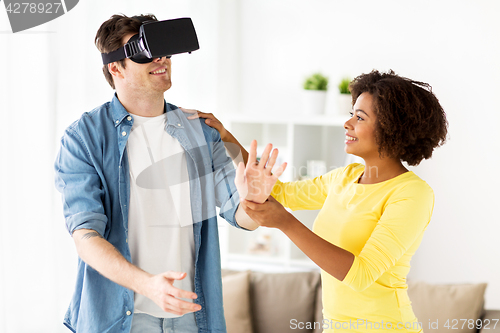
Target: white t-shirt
{"x": 160, "y": 222}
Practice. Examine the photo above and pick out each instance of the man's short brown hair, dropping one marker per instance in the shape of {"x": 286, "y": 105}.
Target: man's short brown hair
{"x": 110, "y": 34}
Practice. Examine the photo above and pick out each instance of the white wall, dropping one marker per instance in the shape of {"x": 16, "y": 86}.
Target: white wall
{"x": 254, "y": 55}
{"x": 454, "y": 46}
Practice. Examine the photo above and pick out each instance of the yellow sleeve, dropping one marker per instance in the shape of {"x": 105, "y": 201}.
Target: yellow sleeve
{"x": 307, "y": 194}
{"x": 404, "y": 219}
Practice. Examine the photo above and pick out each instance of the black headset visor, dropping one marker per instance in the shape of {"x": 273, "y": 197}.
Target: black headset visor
{"x": 157, "y": 39}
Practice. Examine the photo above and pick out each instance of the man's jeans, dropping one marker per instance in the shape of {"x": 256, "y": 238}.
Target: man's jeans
{"x": 144, "y": 323}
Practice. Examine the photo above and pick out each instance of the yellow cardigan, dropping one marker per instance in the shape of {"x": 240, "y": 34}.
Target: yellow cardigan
{"x": 382, "y": 225}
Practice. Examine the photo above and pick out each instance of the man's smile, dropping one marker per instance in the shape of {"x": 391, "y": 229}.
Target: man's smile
{"x": 162, "y": 70}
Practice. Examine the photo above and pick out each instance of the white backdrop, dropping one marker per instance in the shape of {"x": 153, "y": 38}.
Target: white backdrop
{"x": 454, "y": 46}
{"x": 254, "y": 55}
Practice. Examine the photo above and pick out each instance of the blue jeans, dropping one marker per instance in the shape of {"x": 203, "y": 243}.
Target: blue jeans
{"x": 144, "y": 323}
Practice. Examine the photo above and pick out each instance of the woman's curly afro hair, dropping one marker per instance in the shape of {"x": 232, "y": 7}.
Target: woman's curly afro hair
{"x": 410, "y": 121}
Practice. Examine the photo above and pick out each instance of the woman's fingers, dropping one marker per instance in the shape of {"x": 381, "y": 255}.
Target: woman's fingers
{"x": 250, "y": 205}
{"x": 192, "y": 111}
{"x": 188, "y": 110}
{"x": 198, "y": 114}
{"x": 211, "y": 120}
{"x": 254, "y": 206}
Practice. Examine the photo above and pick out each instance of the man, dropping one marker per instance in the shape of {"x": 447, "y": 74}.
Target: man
{"x": 140, "y": 183}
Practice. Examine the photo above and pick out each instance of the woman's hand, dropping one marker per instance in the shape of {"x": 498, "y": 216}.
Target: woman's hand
{"x": 211, "y": 121}
{"x": 233, "y": 146}
{"x": 255, "y": 181}
{"x": 269, "y": 214}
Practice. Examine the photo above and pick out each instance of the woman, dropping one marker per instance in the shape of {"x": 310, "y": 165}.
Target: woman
{"x": 372, "y": 216}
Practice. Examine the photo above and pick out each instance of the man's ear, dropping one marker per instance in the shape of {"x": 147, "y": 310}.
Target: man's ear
{"x": 115, "y": 69}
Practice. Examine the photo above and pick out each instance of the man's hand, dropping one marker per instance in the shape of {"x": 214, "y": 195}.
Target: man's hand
{"x": 160, "y": 289}
{"x": 107, "y": 260}
{"x": 255, "y": 181}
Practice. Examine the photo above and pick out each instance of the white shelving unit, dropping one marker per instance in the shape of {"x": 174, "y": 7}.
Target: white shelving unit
{"x": 298, "y": 139}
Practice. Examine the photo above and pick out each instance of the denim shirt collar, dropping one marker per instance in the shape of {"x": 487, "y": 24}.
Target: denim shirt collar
{"x": 120, "y": 113}
{"x": 118, "y": 110}
{"x": 173, "y": 118}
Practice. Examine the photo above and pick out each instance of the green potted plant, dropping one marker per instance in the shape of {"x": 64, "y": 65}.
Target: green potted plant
{"x": 344, "y": 97}
{"x": 315, "y": 87}
{"x": 316, "y": 82}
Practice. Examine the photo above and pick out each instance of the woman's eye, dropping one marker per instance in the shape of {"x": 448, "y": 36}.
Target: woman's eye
{"x": 352, "y": 115}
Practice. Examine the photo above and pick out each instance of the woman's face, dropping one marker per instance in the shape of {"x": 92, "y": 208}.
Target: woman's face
{"x": 360, "y": 129}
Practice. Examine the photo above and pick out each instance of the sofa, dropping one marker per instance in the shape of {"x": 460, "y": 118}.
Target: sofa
{"x": 257, "y": 302}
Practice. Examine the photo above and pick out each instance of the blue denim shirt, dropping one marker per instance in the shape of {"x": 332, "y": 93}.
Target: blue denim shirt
{"x": 93, "y": 177}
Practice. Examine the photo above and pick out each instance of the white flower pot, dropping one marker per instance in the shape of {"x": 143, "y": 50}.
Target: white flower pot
{"x": 313, "y": 101}
{"x": 344, "y": 105}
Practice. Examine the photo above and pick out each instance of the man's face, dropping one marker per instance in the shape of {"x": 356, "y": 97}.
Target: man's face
{"x": 149, "y": 77}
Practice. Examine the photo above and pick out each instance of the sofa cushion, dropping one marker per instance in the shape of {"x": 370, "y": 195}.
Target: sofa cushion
{"x": 490, "y": 321}
{"x": 447, "y": 307}
{"x": 235, "y": 294}
{"x": 282, "y": 301}
{"x": 318, "y": 312}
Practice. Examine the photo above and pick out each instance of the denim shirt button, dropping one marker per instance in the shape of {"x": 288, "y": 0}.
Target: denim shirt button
{"x": 124, "y": 133}
{"x": 129, "y": 118}
{"x": 117, "y": 122}
{"x": 129, "y": 313}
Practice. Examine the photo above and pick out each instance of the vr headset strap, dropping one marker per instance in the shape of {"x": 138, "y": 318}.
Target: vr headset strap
{"x": 116, "y": 55}
{"x": 127, "y": 51}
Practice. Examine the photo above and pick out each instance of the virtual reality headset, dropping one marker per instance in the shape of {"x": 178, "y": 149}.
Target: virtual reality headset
{"x": 157, "y": 39}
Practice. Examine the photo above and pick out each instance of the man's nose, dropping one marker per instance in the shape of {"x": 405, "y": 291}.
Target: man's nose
{"x": 159, "y": 59}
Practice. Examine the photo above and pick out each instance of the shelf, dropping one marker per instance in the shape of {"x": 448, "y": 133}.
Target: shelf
{"x": 270, "y": 264}
{"x": 252, "y": 258}
{"x": 300, "y": 139}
